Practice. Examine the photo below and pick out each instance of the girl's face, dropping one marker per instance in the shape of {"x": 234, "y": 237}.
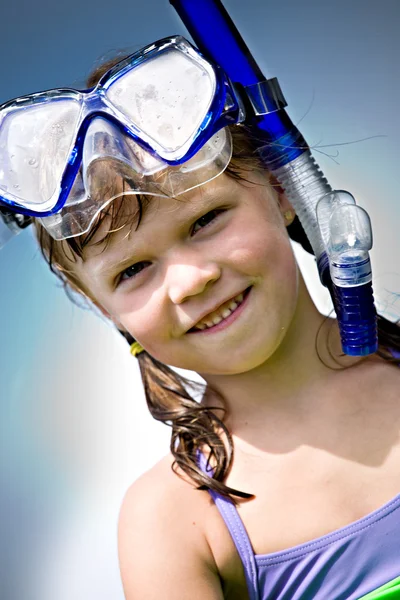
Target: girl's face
{"x": 189, "y": 257}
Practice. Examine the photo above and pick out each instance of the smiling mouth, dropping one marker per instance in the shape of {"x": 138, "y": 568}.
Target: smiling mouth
{"x": 222, "y": 314}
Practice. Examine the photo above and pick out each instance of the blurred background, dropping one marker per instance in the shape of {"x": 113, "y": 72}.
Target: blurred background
{"x": 74, "y": 427}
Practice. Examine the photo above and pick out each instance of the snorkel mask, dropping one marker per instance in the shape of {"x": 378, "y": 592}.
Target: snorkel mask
{"x": 161, "y": 114}
{"x": 158, "y": 115}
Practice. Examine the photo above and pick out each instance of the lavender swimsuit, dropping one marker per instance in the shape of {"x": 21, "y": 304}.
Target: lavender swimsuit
{"x": 359, "y": 561}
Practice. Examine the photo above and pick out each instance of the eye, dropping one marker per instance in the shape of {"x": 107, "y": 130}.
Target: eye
{"x": 206, "y": 219}
{"x": 133, "y": 271}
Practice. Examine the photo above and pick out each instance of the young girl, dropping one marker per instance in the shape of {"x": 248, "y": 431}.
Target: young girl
{"x": 282, "y": 475}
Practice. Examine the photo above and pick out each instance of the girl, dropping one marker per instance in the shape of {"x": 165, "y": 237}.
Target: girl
{"x": 282, "y": 477}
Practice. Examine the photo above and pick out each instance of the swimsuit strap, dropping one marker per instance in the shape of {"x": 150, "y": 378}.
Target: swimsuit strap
{"x": 237, "y": 530}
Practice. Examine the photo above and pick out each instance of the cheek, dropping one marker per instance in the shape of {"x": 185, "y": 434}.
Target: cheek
{"x": 141, "y": 318}
{"x": 147, "y": 321}
{"x": 255, "y": 242}
{"x": 266, "y": 254}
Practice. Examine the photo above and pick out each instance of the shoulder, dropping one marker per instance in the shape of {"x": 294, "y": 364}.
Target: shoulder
{"x": 161, "y": 538}
{"x": 165, "y": 493}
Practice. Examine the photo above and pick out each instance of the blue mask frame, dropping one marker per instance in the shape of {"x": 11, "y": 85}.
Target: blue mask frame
{"x": 225, "y": 109}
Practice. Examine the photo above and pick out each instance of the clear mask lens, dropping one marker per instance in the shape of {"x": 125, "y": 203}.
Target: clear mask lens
{"x": 35, "y": 143}
{"x": 167, "y": 99}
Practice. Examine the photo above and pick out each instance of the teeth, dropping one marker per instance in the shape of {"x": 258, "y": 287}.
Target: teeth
{"x": 221, "y": 314}
{"x": 239, "y": 298}
{"x": 217, "y": 320}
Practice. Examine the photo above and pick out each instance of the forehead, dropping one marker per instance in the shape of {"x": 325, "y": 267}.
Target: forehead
{"x": 131, "y": 214}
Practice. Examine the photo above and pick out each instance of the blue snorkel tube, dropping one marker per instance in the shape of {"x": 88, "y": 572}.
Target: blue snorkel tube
{"x": 339, "y": 231}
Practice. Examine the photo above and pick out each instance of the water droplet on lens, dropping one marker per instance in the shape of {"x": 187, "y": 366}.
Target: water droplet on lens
{"x": 32, "y": 162}
{"x": 57, "y": 129}
{"x": 16, "y": 186}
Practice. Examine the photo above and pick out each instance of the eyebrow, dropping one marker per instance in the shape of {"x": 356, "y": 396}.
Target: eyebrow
{"x": 109, "y": 266}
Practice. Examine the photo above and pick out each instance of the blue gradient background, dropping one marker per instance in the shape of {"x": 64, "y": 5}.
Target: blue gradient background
{"x": 74, "y": 429}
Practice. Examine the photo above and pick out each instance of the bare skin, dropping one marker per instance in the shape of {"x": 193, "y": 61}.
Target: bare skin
{"x": 311, "y": 474}
{"x": 317, "y": 445}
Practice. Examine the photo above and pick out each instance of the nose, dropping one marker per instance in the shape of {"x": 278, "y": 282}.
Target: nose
{"x": 189, "y": 278}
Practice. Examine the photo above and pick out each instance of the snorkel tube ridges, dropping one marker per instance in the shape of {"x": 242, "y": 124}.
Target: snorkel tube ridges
{"x": 338, "y": 230}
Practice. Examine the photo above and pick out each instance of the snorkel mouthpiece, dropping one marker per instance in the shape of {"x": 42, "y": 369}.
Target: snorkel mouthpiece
{"x": 340, "y": 235}
{"x": 347, "y": 236}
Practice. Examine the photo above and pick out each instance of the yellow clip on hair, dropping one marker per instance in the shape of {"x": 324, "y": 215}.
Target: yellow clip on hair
{"x": 136, "y": 349}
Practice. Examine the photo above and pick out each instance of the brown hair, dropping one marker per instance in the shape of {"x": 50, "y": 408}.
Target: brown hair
{"x": 169, "y": 396}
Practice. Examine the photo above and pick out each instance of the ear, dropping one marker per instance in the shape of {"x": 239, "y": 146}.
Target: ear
{"x": 285, "y": 206}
